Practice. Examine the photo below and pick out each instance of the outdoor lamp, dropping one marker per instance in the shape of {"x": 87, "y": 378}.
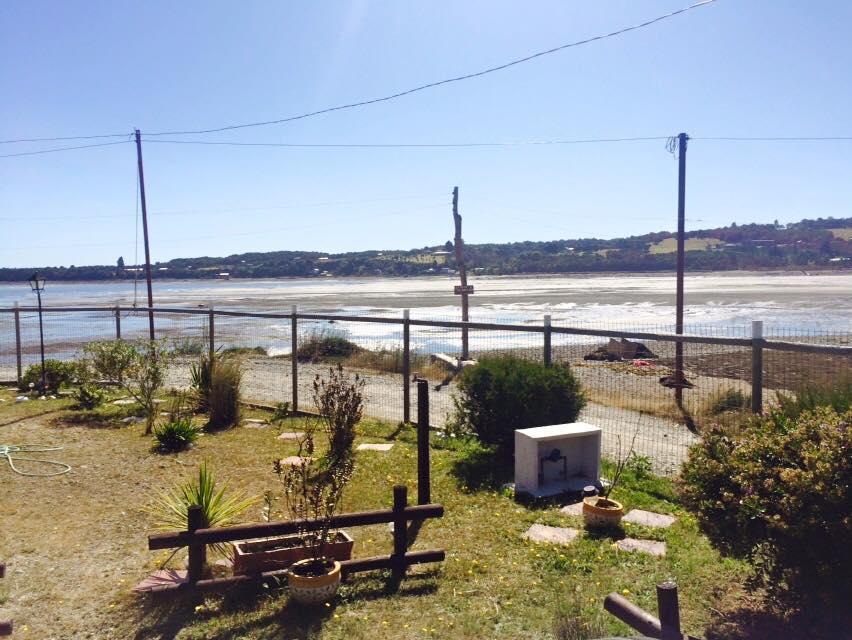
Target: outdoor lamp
{"x": 37, "y": 285}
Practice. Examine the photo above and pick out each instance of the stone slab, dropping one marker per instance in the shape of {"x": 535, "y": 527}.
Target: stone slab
{"x": 649, "y": 519}
{"x": 291, "y": 435}
{"x": 551, "y": 535}
{"x": 124, "y": 401}
{"x": 375, "y": 447}
{"x": 573, "y": 509}
{"x": 651, "y": 547}
{"x": 160, "y": 580}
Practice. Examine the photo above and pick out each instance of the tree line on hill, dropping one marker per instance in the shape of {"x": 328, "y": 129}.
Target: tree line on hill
{"x": 800, "y": 245}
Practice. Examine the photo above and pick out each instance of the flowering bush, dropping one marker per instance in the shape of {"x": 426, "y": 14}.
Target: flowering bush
{"x": 778, "y": 493}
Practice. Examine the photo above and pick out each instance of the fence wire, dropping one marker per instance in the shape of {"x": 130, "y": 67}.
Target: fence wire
{"x": 627, "y": 396}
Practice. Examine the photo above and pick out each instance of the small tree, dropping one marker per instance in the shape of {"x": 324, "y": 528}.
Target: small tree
{"x": 110, "y": 360}
{"x": 340, "y": 402}
{"x": 145, "y": 375}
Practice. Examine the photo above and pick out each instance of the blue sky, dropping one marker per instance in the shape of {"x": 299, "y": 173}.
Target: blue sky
{"x": 733, "y": 68}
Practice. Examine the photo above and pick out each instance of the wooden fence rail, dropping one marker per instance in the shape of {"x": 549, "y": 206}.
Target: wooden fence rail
{"x": 196, "y": 539}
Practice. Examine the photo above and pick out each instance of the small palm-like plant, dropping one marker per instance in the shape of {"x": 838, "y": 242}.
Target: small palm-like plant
{"x": 218, "y": 506}
{"x": 176, "y": 435}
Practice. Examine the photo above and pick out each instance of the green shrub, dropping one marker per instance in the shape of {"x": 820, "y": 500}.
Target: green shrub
{"x": 322, "y": 346}
{"x": 89, "y": 396}
{"x": 837, "y": 395}
{"x": 778, "y": 493}
{"x": 728, "y": 400}
{"x": 189, "y": 346}
{"x": 175, "y": 435}
{"x": 57, "y": 374}
{"x": 281, "y": 412}
{"x": 340, "y": 402}
{"x": 111, "y": 360}
{"x": 504, "y": 393}
{"x": 223, "y": 398}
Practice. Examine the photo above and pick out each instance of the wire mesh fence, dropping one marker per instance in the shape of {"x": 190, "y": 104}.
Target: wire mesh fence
{"x": 627, "y": 372}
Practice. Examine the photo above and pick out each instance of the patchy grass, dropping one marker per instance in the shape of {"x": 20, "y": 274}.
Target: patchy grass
{"x": 669, "y": 245}
{"x": 79, "y": 544}
{"x": 844, "y": 233}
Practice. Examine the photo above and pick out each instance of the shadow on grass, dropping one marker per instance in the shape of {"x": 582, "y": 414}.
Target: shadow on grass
{"x": 756, "y": 622}
{"x": 269, "y": 613}
{"x": 480, "y": 469}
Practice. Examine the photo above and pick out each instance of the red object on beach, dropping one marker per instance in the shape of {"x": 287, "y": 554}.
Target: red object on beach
{"x": 642, "y": 363}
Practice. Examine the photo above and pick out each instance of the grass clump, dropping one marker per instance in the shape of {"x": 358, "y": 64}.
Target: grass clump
{"x": 325, "y": 345}
{"x": 728, "y": 400}
{"x": 504, "y": 393}
{"x": 836, "y": 394}
{"x": 223, "y": 399}
{"x": 89, "y": 396}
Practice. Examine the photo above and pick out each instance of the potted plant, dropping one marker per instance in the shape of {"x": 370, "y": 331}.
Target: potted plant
{"x": 601, "y": 511}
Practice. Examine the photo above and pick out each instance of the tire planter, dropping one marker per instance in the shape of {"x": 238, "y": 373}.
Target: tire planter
{"x": 279, "y": 552}
{"x": 313, "y": 590}
{"x": 604, "y": 516}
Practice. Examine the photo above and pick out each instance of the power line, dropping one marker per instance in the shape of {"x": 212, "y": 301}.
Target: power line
{"x": 405, "y": 145}
{"x": 64, "y": 138}
{"x": 772, "y": 139}
{"x": 84, "y": 146}
{"x": 399, "y": 94}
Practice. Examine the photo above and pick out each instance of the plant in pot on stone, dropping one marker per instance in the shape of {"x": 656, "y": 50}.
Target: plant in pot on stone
{"x": 601, "y": 511}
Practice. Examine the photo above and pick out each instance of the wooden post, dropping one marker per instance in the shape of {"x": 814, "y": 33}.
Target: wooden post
{"x": 424, "y": 488}
{"x": 669, "y": 611}
{"x": 6, "y": 626}
{"x": 294, "y": 363}
{"x": 632, "y": 616}
{"x": 117, "y": 322}
{"x": 757, "y": 366}
{"x": 400, "y": 529}
{"x": 547, "y": 339}
{"x": 212, "y": 332}
{"x": 18, "y": 342}
{"x": 145, "y": 234}
{"x": 406, "y": 367}
{"x": 681, "y": 262}
{"x": 459, "y": 247}
{"x": 197, "y": 552}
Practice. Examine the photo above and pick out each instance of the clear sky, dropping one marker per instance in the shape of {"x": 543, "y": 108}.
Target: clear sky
{"x": 733, "y": 68}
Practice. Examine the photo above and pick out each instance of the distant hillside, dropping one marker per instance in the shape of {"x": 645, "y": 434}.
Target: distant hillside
{"x": 822, "y": 243}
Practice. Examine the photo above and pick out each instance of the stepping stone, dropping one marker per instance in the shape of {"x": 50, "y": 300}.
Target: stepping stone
{"x": 375, "y": 447}
{"x": 124, "y": 401}
{"x": 552, "y": 535}
{"x": 159, "y": 580}
{"x": 294, "y": 461}
{"x": 651, "y": 547}
{"x": 573, "y": 509}
{"x": 254, "y": 423}
{"x": 649, "y": 519}
{"x": 291, "y": 435}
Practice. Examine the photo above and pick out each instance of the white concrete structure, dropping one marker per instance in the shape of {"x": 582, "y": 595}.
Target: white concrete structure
{"x": 556, "y": 458}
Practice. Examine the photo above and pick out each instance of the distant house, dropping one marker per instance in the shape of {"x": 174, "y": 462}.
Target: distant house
{"x": 223, "y": 275}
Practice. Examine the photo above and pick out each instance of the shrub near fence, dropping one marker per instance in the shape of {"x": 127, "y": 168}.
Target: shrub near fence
{"x": 621, "y": 395}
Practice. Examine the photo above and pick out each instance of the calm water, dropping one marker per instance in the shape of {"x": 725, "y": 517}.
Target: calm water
{"x": 722, "y": 303}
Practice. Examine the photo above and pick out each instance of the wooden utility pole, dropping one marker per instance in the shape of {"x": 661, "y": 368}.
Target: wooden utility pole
{"x": 681, "y": 257}
{"x": 464, "y": 290}
{"x": 145, "y": 234}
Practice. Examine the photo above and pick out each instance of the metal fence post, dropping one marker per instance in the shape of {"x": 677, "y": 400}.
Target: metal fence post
{"x": 294, "y": 363}
{"x": 757, "y": 366}
{"x": 406, "y": 367}
{"x": 547, "y": 338}
{"x": 212, "y": 332}
{"x": 197, "y": 552}
{"x": 18, "y": 342}
{"x": 117, "y": 322}
{"x": 424, "y": 482}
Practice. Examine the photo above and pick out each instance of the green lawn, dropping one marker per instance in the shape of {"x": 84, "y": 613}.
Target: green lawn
{"x": 492, "y": 585}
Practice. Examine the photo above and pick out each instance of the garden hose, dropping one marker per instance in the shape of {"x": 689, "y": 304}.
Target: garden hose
{"x": 7, "y": 451}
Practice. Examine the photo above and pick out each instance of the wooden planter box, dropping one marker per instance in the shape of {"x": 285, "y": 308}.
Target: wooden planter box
{"x": 270, "y": 554}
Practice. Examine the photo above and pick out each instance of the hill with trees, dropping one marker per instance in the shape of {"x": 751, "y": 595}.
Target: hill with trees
{"x": 824, "y": 243}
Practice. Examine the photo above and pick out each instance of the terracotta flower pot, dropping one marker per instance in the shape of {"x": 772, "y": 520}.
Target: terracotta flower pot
{"x": 600, "y": 513}
{"x": 313, "y": 590}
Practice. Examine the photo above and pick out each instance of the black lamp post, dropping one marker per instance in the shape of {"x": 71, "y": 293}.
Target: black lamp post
{"x": 37, "y": 285}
